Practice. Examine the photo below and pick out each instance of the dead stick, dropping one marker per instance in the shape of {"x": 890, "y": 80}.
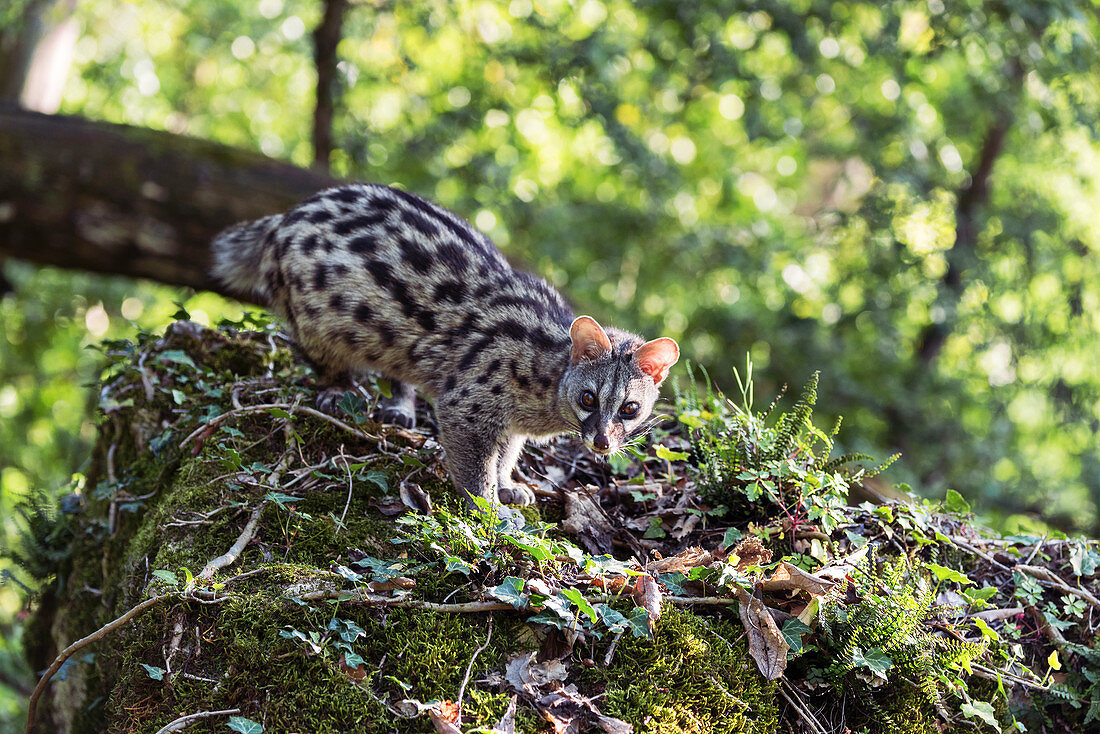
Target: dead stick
{"x": 470, "y": 668}
{"x": 185, "y": 721}
{"x": 249, "y": 532}
{"x": 80, "y": 644}
{"x": 213, "y": 422}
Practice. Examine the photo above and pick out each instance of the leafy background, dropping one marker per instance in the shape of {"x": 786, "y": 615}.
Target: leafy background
{"x": 900, "y": 194}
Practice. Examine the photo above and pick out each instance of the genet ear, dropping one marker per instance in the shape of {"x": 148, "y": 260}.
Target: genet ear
{"x": 656, "y": 358}
{"x": 589, "y": 340}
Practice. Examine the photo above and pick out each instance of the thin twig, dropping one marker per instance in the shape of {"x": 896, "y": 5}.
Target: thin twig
{"x": 231, "y": 555}
{"x": 249, "y": 532}
{"x": 79, "y": 645}
{"x": 348, "y": 503}
{"x": 470, "y": 668}
{"x": 185, "y": 721}
{"x": 803, "y": 710}
{"x": 1049, "y": 578}
{"x": 292, "y": 409}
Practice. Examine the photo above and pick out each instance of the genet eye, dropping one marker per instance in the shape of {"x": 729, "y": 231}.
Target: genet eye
{"x": 629, "y": 410}
{"x": 588, "y": 400}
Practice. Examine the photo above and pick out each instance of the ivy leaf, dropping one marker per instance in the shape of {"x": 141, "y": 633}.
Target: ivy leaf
{"x": 347, "y": 573}
{"x": 154, "y": 672}
{"x": 378, "y": 478}
{"x": 578, "y": 599}
{"x": 792, "y": 631}
{"x": 511, "y": 592}
{"x": 639, "y": 622}
{"x": 654, "y": 530}
{"x": 281, "y": 499}
{"x": 980, "y": 710}
{"x": 167, "y": 576}
{"x": 354, "y": 661}
{"x": 454, "y": 563}
{"x": 673, "y": 582}
{"x": 177, "y": 356}
{"x": 731, "y": 538}
{"x": 669, "y": 455}
{"x": 943, "y": 573}
{"x": 874, "y": 660}
{"x": 954, "y": 502}
{"x": 245, "y": 726}
{"x": 614, "y": 621}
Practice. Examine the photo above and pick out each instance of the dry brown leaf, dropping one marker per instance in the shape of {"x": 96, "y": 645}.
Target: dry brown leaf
{"x": 399, "y": 582}
{"x": 647, "y": 595}
{"x": 792, "y": 578}
{"x": 389, "y": 507}
{"x": 751, "y": 552}
{"x": 507, "y": 723}
{"x": 414, "y": 497}
{"x": 685, "y": 525}
{"x": 524, "y": 675}
{"x": 682, "y": 562}
{"x": 766, "y": 644}
{"x": 444, "y": 717}
{"x": 567, "y": 708}
{"x": 586, "y": 521}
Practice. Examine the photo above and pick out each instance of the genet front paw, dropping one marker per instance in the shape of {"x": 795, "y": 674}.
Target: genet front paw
{"x": 515, "y": 494}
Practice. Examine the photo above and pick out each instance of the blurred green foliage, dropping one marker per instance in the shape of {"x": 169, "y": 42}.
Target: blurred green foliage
{"x": 900, "y": 194}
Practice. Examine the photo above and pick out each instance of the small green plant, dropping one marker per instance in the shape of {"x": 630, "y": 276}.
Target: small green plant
{"x": 889, "y": 635}
{"x": 748, "y": 459}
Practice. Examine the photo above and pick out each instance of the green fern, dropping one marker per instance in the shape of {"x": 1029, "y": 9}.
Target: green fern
{"x": 892, "y": 621}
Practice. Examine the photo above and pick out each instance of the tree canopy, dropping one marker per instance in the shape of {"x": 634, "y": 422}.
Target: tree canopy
{"x": 900, "y": 194}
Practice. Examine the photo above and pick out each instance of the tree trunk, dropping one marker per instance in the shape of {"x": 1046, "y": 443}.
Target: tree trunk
{"x": 129, "y": 201}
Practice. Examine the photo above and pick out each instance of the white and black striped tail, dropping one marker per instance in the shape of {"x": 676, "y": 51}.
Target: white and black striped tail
{"x": 238, "y": 252}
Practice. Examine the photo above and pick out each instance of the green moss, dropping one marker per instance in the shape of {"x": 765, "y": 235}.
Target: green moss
{"x": 694, "y": 676}
{"x": 247, "y": 664}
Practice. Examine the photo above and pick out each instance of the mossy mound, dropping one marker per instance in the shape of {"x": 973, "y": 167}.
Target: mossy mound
{"x": 204, "y": 431}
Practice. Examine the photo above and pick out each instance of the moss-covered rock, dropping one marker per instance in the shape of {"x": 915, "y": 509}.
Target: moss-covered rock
{"x": 165, "y": 495}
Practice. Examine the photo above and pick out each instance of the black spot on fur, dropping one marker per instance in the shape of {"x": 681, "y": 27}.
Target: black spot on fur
{"x": 450, "y": 290}
{"x": 426, "y": 319}
{"x": 309, "y": 244}
{"x": 362, "y": 244}
{"x": 362, "y": 313}
{"x": 336, "y": 302}
{"x": 320, "y": 276}
{"x": 490, "y": 369}
{"x": 419, "y": 222}
{"x": 386, "y": 334}
{"x": 317, "y": 216}
{"x": 346, "y": 194}
{"x": 418, "y": 258}
{"x": 521, "y": 380}
{"x": 381, "y": 272}
{"x": 359, "y": 222}
{"x": 495, "y": 389}
{"x": 293, "y": 217}
{"x": 474, "y": 350}
{"x": 449, "y": 384}
{"x": 453, "y": 256}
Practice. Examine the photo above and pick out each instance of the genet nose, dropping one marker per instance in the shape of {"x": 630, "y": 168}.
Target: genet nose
{"x": 601, "y": 442}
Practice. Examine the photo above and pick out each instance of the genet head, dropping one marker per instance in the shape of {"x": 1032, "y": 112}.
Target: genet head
{"x": 608, "y": 391}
